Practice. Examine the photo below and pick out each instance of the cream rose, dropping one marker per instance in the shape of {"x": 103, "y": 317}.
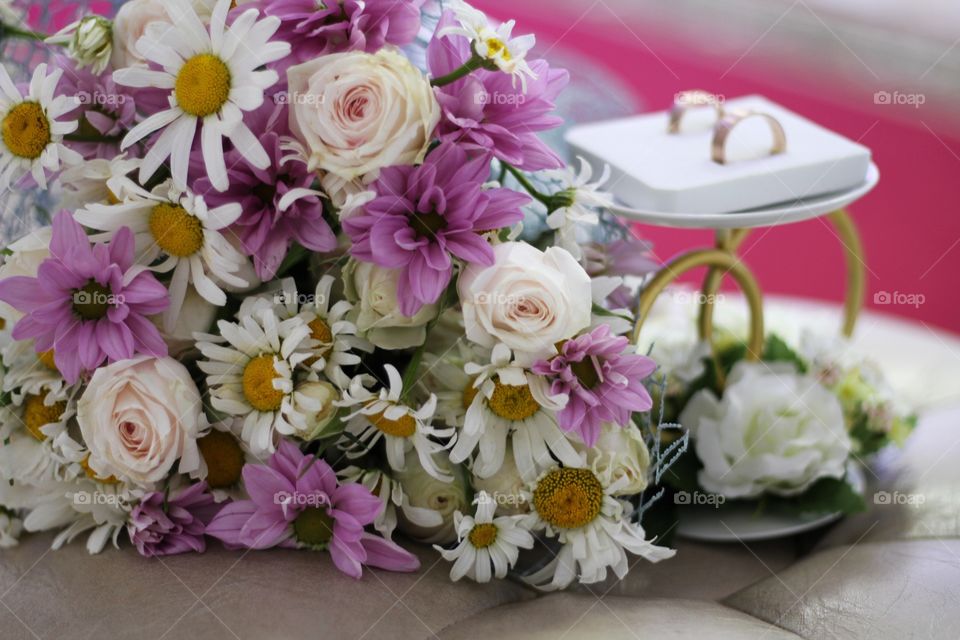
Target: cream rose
{"x": 138, "y": 417}
{"x": 774, "y": 431}
{"x": 426, "y": 492}
{"x": 373, "y": 290}
{"x": 529, "y": 299}
{"x": 129, "y": 25}
{"x": 506, "y": 487}
{"x": 358, "y": 112}
{"x": 25, "y": 257}
{"x": 619, "y": 456}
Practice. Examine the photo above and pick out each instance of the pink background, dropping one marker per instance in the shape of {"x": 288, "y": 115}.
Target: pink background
{"x": 910, "y": 222}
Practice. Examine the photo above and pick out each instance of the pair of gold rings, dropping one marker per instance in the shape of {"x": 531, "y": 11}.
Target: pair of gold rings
{"x": 726, "y": 121}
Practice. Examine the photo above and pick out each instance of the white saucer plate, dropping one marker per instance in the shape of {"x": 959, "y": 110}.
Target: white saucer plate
{"x": 800, "y": 210}
{"x": 739, "y": 521}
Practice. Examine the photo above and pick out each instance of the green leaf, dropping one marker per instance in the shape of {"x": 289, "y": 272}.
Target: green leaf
{"x": 827, "y": 495}
{"x": 776, "y": 350}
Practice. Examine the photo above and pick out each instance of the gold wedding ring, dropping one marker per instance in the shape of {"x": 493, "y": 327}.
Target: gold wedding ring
{"x": 686, "y": 100}
{"x": 728, "y": 121}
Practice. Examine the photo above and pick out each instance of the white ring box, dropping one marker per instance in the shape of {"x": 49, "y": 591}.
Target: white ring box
{"x": 658, "y": 171}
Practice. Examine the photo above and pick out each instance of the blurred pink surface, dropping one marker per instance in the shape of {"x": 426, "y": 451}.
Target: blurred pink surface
{"x": 910, "y": 222}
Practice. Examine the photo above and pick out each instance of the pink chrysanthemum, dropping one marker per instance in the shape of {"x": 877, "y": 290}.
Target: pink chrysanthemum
{"x": 164, "y": 526}
{"x": 297, "y": 502}
{"x": 316, "y": 28}
{"x": 88, "y": 303}
{"x": 602, "y": 379}
{"x": 425, "y": 216}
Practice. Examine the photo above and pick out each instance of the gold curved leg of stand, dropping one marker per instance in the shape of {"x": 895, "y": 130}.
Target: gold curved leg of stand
{"x": 728, "y": 241}
{"x": 856, "y": 268}
{"x": 717, "y": 259}
{"x": 853, "y": 256}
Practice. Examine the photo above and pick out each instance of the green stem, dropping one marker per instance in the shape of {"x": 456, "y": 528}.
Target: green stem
{"x": 526, "y": 184}
{"x": 79, "y": 137}
{"x": 6, "y": 31}
{"x": 475, "y": 62}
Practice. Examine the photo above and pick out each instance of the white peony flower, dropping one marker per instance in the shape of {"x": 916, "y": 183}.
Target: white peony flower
{"x": 529, "y": 299}
{"x": 89, "y": 42}
{"x": 138, "y": 417}
{"x": 773, "y": 431}
{"x": 373, "y": 291}
{"x": 357, "y": 112}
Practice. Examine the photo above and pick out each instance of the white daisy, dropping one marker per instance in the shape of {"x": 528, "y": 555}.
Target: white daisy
{"x": 581, "y": 200}
{"x": 507, "y": 401}
{"x": 177, "y": 226}
{"x": 213, "y": 77}
{"x": 454, "y": 387}
{"x": 485, "y": 542}
{"x": 27, "y": 372}
{"x": 497, "y": 46}
{"x": 252, "y": 376}
{"x": 595, "y": 529}
{"x": 394, "y": 500}
{"x": 31, "y": 136}
{"x": 334, "y": 337}
{"x": 97, "y": 180}
{"x": 79, "y": 507}
{"x": 384, "y": 416}
{"x": 223, "y": 455}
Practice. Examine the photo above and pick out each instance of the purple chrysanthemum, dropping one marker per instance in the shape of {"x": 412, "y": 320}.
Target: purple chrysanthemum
{"x": 105, "y": 109}
{"x": 317, "y": 28}
{"x": 602, "y": 379}
{"x": 425, "y": 215}
{"x": 486, "y": 111}
{"x": 296, "y": 501}
{"x": 88, "y": 303}
{"x": 279, "y": 205}
{"x": 161, "y": 526}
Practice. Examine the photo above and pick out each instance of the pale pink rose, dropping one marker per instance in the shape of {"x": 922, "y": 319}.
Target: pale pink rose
{"x": 129, "y": 25}
{"x": 138, "y": 417}
{"x": 529, "y": 299}
{"x": 357, "y": 112}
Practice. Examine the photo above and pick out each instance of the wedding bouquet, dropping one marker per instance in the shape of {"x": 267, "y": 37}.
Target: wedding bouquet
{"x": 300, "y": 292}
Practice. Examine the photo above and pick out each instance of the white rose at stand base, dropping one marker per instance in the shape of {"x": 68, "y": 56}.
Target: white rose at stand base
{"x": 138, "y": 417}
{"x": 775, "y": 431}
{"x": 528, "y": 299}
{"x": 357, "y": 112}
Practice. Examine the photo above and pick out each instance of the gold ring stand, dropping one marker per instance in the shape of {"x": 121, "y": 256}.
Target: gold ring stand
{"x": 722, "y": 260}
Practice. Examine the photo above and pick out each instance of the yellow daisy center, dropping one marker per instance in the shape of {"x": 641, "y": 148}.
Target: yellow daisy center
{"x": 568, "y": 498}
{"x": 496, "y": 46}
{"x": 258, "y": 377}
{"x": 26, "y": 130}
{"x": 403, "y": 427}
{"x": 85, "y": 463}
{"x": 320, "y": 331}
{"x": 36, "y": 414}
{"x": 203, "y": 85}
{"x": 469, "y": 393}
{"x": 176, "y": 231}
{"x": 483, "y": 535}
{"x": 46, "y": 358}
{"x": 513, "y": 402}
{"x": 224, "y": 459}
